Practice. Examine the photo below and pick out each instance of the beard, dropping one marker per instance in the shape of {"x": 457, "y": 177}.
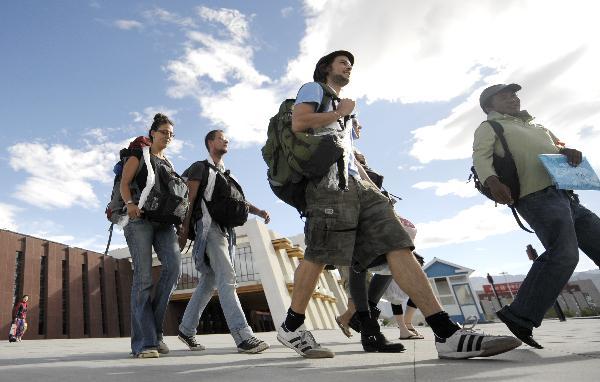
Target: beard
{"x": 340, "y": 80}
{"x": 222, "y": 151}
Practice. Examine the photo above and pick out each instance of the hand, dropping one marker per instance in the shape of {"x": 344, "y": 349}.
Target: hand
{"x": 345, "y": 106}
{"x": 133, "y": 211}
{"x": 265, "y": 215}
{"x": 182, "y": 240}
{"x": 574, "y": 157}
{"x": 500, "y": 191}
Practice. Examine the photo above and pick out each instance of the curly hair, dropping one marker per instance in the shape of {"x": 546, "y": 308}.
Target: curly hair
{"x": 159, "y": 120}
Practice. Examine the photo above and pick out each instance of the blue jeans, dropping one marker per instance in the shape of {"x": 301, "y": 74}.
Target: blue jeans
{"x": 219, "y": 274}
{"x": 563, "y": 226}
{"x": 147, "y": 313}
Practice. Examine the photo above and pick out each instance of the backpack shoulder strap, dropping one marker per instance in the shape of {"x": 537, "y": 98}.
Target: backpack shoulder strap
{"x": 328, "y": 96}
{"x": 499, "y": 130}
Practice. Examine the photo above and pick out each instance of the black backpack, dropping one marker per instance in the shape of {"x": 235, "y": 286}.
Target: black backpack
{"x": 168, "y": 199}
{"x": 506, "y": 169}
{"x": 228, "y": 206}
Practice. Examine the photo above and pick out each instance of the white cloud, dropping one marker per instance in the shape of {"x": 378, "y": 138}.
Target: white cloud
{"x": 416, "y": 168}
{"x": 472, "y": 224}
{"x": 61, "y": 176}
{"x": 128, "y": 24}
{"x": 144, "y": 118}
{"x": 286, "y": 12}
{"x": 235, "y": 21}
{"x": 219, "y": 72}
{"x": 451, "y": 187}
{"x": 8, "y": 217}
{"x": 162, "y": 15}
{"x": 439, "y": 51}
{"x": 434, "y": 51}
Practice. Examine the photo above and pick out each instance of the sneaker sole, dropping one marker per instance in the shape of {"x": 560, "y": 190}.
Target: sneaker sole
{"x": 311, "y": 354}
{"x": 198, "y": 348}
{"x": 260, "y": 348}
{"x": 491, "y": 348}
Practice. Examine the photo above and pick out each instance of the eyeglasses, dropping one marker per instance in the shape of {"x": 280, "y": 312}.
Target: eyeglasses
{"x": 167, "y": 133}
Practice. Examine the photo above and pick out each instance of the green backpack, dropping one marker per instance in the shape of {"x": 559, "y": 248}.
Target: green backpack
{"x": 295, "y": 158}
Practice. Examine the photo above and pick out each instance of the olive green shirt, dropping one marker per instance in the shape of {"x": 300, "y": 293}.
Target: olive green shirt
{"x": 525, "y": 139}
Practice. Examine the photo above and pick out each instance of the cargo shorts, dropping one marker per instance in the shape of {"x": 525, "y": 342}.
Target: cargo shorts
{"x": 351, "y": 228}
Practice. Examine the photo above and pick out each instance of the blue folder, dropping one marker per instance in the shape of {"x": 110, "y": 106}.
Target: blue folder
{"x": 567, "y": 177}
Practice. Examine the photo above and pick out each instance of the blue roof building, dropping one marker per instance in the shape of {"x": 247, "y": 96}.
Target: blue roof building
{"x": 450, "y": 283}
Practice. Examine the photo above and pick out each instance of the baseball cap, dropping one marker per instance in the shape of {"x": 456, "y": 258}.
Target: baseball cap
{"x": 491, "y": 91}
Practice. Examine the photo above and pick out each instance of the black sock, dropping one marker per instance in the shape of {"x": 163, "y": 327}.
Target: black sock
{"x": 293, "y": 320}
{"x": 441, "y": 324}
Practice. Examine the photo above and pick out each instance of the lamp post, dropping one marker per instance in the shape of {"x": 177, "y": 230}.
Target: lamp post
{"x": 491, "y": 281}
{"x": 532, "y": 255}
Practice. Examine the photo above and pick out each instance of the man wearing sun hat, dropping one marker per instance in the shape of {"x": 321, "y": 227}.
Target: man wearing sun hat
{"x": 351, "y": 223}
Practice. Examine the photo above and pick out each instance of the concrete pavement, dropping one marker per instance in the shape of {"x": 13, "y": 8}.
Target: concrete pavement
{"x": 572, "y": 353}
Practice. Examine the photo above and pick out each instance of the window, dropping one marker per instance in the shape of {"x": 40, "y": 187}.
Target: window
{"x": 43, "y": 293}
{"x": 102, "y": 299}
{"x": 463, "y": 294}
{"x": 86, "y": 312}
{"x": 119, "y": 303}
{"x": 18, "y": 277}
{"x": 65, "y": 297}
{"x": 442, "y": 286}
{"x": 243, "y": 263}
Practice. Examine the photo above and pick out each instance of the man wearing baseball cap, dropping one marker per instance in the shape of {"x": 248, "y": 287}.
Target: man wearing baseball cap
{"x": 357, "y": 227}
{"x": 562, "y": 224}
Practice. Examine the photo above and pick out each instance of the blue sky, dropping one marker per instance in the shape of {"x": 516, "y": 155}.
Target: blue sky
{"x": 81, "y": 78}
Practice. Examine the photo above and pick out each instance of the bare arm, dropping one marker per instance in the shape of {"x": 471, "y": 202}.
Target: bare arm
{"x": 193, "y": 186}
{"x": 305, "y": 117}
{"x": 129, "y": 171}
{"x": 258, "y": 212}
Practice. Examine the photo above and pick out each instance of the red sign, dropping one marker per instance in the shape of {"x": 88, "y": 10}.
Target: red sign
{"x": 503, "y": 287}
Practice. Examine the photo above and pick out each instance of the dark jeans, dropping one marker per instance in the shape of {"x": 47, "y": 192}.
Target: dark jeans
{"x": 563, "y": 226}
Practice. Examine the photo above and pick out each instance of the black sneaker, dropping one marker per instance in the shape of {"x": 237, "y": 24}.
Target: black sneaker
{"x": 521, "y": 332}
{"x": 252, "y": 346}
{"x": 378, "y": 343}
{"x": 190, "y": 341}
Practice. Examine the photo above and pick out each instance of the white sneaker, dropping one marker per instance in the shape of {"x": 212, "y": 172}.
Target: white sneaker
{"x": 467, "y": 343}
{"x": 148, "y": 353}
{"x": 303, "y": 342}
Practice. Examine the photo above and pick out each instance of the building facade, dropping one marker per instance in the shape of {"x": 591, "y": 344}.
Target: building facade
{"x": 265, "y": 263}
{"x": 578, "y": 297}
{"x": 73, "y": 292}
{"x": 451, "y": 285}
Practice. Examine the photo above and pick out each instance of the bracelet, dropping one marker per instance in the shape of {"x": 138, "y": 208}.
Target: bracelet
{"x": 129, "y": 202}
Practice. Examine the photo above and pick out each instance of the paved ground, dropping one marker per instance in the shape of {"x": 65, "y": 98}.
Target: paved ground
{"x": 572, "y": 353}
